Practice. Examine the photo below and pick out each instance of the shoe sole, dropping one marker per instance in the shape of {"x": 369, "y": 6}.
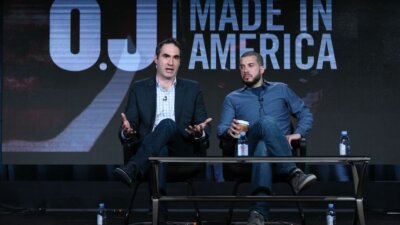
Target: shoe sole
{"x": 122, "y": 176}
{"x": 307, "y": 182}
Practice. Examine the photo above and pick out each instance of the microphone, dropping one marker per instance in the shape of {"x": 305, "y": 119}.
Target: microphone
{"x": 165, "y": 98}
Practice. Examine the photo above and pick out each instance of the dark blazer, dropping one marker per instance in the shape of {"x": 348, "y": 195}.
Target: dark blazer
{"x": 141, "y": 109}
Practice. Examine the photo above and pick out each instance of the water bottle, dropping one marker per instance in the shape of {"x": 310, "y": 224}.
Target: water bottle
{"x": 242, "y": 145}
{"x": 331, "y": 215}
{"x": 101, "y": 215}
{"x": 344, "y": 144}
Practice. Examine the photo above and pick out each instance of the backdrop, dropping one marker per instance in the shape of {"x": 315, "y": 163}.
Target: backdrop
{"x": 68, "y": 66}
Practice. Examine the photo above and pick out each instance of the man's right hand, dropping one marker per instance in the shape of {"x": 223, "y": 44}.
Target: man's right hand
{"x": 234, "y": 129}
{"x": 126, "y": 127}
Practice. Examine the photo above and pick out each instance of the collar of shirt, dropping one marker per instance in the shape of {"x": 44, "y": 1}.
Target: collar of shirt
{"x": 165, "y": 103}
{"x": 265, "y": 85}
{"x": 159, "y": 86}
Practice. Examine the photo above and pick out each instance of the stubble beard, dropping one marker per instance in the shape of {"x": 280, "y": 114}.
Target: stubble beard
{"x": 251, "y": 84}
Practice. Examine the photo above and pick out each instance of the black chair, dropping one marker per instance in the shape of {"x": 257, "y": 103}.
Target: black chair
{"x": 183, "y": 172}
{"x": 241, "y": 173}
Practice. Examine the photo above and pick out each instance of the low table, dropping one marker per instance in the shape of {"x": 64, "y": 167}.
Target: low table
{"x": 358, "y": 167}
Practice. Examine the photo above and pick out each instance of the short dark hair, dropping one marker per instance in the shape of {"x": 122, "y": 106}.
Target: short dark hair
{"x": 168, "y": 41}
{"x": 256, "y": 54}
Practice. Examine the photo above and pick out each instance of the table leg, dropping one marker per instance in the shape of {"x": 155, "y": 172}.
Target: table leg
{"x": 156, "y": 203}
{"x": 358, "y": 179}
{"x": 360, "y": 213}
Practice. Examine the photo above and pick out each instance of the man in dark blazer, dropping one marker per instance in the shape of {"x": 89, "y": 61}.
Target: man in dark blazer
{"x": 165, "y": 115}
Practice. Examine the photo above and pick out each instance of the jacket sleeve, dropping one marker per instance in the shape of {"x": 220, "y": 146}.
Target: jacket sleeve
{"x": 131, "y": 112}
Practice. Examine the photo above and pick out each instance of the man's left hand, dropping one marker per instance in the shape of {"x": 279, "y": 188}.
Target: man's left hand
{"x": 293, "y": 137}
{"x": 197, "y": 130}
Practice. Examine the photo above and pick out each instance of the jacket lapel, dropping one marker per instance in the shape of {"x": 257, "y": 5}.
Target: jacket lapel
{"x": 151, "y": 94}
{"x": 179, "y": 97}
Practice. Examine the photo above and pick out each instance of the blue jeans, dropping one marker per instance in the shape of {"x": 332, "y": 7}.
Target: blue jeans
{"x": 266, "y": 139}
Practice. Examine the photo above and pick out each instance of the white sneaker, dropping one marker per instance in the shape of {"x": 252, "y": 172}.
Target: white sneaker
{"x": 255, "y": 218}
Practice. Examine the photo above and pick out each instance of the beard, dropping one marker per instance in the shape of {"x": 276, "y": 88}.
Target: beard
{"x": 250, "y": 84}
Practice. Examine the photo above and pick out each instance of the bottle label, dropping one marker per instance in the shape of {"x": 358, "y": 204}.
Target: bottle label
{"x": 243, "y": 150}
{"x": 99, "y": 219}
{"x": 329, "y": 220}
{"x": 342, "y": 149}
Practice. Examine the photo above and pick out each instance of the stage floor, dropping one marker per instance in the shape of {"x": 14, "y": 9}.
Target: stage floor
{"x": 185, "y": 217}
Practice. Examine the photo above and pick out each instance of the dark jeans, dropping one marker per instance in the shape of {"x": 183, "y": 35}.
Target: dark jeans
{"x": 266, "y": 139}
{"x": 165, "y": 140}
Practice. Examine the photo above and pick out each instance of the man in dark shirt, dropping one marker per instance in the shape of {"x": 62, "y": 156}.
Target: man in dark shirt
{"x": 268, "y": 107}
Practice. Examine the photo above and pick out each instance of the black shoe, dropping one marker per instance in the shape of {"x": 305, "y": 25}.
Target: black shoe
{"x": 299, "y": 180}
{"x": 126, "y": 174}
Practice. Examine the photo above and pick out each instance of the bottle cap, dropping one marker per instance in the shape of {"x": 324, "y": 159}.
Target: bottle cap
{"x": 101, "y": 205}
{"x": 242, "y": 133}
{"x": 344, "y": 133}
{"x": 330, "y": 205}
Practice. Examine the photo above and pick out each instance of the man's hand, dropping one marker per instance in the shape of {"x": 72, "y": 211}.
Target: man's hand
{"x": 197, "y": 130}
{"x": 293, "y": 137}
{"x": 126, "y": 127}
{"x": 234, "y": 129}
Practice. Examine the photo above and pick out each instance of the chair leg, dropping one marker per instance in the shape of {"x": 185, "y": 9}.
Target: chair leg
{"x": 300, "y": 209}
{"x": 128, "y": 211}
{"x": 196, "y": 205}
{"x": 232, "y": 204}
{"x": 301, "y": 213}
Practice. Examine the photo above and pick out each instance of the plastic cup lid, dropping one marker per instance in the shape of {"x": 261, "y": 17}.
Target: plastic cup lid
{"x": 243, "y": 122}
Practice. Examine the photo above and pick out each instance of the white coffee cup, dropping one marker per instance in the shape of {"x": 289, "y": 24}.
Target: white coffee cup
{"x": 244, "y": 126}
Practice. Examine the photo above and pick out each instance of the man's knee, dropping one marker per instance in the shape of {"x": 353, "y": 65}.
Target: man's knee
{"x": 268, "y": 125}
{"x": 265, "y": 127}
{"x": 167, "y": 124}
{"x": 267, "y": 121}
